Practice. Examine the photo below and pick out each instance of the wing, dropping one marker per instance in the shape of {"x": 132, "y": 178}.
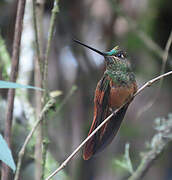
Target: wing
{"x": 101, "y": 110}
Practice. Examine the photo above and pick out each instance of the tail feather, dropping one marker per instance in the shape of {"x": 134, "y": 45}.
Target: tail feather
{"x": 105, "y": 135}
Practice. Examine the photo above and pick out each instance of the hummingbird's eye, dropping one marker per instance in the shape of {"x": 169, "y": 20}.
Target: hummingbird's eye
{"x": 120, "y": 55}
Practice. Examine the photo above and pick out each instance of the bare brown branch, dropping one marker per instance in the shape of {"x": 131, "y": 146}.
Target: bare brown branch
{"x": 13, "y": 77}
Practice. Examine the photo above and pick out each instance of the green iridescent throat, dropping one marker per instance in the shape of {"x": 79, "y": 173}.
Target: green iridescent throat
{"x": 120, "y": 73}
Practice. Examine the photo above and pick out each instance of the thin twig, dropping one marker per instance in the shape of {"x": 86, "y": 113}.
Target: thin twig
{"x": 13, "y": 77}
{"x": 55, "y": 10}
{"x": 72, "y": 90}
{"x": 45, "y": 78}
{"x": 157, "y": 145}
{"x": 148, "y": 84}
{"x": 165, "y": 55}
{"x": 164, "y": 60}
{"x": 50, "y": 104}
{"x": 148, "y": 41}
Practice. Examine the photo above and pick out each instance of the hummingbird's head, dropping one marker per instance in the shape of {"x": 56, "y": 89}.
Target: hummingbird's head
{"x": 116, "y": 55}
{"x": 116, "y": 58}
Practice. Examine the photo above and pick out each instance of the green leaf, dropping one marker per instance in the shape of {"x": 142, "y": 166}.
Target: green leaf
{"x": 5, "y": 154}
{"x": 7, "y": 84}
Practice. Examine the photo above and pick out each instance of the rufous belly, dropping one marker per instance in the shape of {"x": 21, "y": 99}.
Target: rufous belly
{"x": 121, "y": 94}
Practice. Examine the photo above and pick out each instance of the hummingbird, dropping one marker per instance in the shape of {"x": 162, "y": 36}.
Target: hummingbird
{"x": 116, "y": 88}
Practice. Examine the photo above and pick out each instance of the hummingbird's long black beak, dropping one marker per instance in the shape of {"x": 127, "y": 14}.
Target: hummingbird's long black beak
{"x": 93, "y": 49}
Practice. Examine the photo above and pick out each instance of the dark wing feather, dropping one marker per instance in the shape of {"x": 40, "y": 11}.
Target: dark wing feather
{"x": 101, "y": 110}
{"x": 111, "y": 128}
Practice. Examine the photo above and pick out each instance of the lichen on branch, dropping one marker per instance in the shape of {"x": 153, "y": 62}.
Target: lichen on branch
{"x": 163, "y": 126}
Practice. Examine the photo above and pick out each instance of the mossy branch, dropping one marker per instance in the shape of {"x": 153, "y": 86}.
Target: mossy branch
{"x": 157, "y": 145}
{"x": 54, "y": 12}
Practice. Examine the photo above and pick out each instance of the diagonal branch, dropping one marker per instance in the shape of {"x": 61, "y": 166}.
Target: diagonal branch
{"x": 148, "y": 84}
{"x": 164, "y": 61}
{"x": 48, "y": 106}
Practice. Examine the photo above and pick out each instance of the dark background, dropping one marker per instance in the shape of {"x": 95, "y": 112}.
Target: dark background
{"x": 103, "y": 24}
